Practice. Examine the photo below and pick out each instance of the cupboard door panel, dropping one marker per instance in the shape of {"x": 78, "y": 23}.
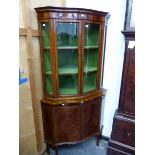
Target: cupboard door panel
{"x": 48, "y": 122}
{"x": 90, "y": 119}
{"x": 68, "y": 123}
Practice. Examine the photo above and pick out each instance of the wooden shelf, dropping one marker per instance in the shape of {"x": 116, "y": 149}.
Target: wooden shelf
{"x": 68, "y": 70}
{"x": 48, "y": 73}
{"x": 68, "y": 91}
{"x": 50, "y": 93}
{"x": 46, "y": 48}
{"x": 67, "y": 47}
{"x": 90, "y": 47}
{"x": 74, "y": 70}
{"x": 89, "y": 88}
{"x": 90, "y": 69}
{"x": 71, "y": 47}
{"x": 72, "y": 91}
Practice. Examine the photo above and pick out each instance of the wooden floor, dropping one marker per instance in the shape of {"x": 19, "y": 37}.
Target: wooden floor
{"x": 86, "y": 148}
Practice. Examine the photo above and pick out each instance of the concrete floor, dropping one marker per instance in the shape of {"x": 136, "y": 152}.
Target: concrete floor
{"x": 88, "y": 147}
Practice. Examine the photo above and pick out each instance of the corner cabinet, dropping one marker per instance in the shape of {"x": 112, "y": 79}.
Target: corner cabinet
{"x": 72, "y": 57}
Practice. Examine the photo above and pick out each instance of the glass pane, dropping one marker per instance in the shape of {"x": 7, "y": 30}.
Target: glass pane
{"x": 67, "y": 34}
{"x": 46, "y": 59}
{"x": 45, "y": 35}
{"x": 91, "y": 44}
{"x": 67, "y": 45}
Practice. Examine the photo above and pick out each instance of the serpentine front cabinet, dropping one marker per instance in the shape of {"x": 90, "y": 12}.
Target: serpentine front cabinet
{"x": 72, "y": 43}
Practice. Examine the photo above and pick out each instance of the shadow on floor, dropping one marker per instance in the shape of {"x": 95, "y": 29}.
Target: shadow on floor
{"x": 87, "y": 147}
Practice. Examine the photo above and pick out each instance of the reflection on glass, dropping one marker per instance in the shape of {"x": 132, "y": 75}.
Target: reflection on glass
{"x": 67, "y": 34}
{"x": 47, "y": 63}
{"x": 89, "y": 81}
{"x": 46, "y": 59}
{"x": 68, "y": 84}
{"x": 48, "y": 85}
{"x": 67, "y": 45}
{"x": 45, "y": 35}
{"x": 91, "y": 43}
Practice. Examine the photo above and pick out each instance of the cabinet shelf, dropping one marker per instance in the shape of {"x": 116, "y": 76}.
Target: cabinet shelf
{"x": 67, "y": 47}
{"x": 63, "y": 48}
{"x": 76, "y": 47}
{"x": 71, "y": 47}
{"x": 48, "y": 73}
{"x": 90, "y": 47}
{"x": 90, "y": 69}
{"x": 74, "y": 70}
{"x": 50, "y": 93}
{"x": 66, "y": 91}
{"x": 46, "y": 48}
{"x": 68, "y": 70}
{"x": 89, "y": 88}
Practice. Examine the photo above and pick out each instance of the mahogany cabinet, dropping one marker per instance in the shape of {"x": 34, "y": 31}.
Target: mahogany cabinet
{"x": 72, "y": 45}
{"x": 71, "y": 123}
{"x": 122, "y": 140}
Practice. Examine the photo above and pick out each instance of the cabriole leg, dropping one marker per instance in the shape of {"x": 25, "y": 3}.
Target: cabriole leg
{"x": 56, "y": 150}
{"x": 48, "y": 149}
{"x": 97, "y": 139}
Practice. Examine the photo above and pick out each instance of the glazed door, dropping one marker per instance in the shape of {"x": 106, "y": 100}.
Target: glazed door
{"x": 67, "y": 53}
{"x": 91, "y": 53}
{"x": 46, "y": 58}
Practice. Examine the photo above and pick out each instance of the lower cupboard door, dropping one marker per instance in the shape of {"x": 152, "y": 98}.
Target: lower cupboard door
{"x": 67, "y": 123}
{"x": 90, "y": 119}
